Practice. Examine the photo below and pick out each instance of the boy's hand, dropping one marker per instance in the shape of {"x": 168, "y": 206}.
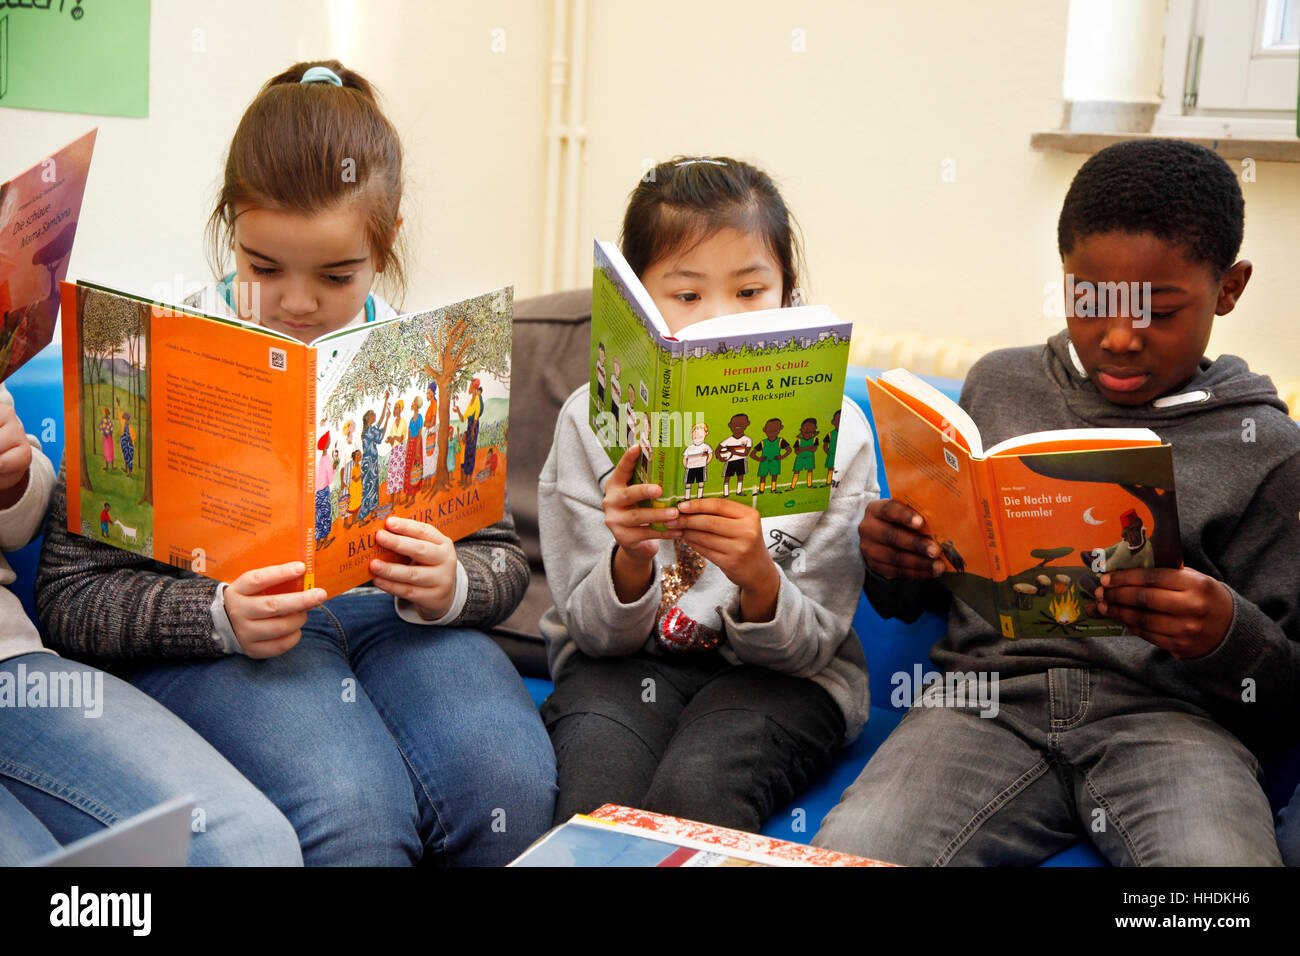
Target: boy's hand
{"x": 630, "y": 525}
{"x": 894, "y": 542}
{"x": 428, "y": 579}
{"x": 15, "y": 456}
{"x": 267, "y": 625}
{"x": 1181, "y": 610}
{"x": 730, "y": 535}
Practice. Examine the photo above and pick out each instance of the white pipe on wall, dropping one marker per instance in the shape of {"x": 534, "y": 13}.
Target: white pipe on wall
{"x": 554, "y": 144}
{"x": 576, "y": 131}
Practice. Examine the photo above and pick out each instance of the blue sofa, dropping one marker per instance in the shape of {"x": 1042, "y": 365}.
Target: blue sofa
{"x": 890, "y": 646}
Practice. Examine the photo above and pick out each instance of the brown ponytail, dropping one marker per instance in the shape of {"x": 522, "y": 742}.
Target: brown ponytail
{"x": 307, "y": 147}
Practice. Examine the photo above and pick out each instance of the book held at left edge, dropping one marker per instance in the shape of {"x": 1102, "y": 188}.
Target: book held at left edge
{"x": 39, "y": 210}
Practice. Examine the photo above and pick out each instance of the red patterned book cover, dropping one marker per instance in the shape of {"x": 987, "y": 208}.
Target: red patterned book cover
{"x": 736, "y": 843}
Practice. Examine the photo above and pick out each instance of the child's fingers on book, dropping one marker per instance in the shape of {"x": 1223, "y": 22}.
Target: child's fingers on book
{"x": 627, "y": 464}
{"x": 900, "y": 539}
{"x": 635, "y": 517}
{"x": 275, "y": 606}
{"x": 259, "y": 579}
{"x": 430, "y": 546}
{"x": 719, "y": 525}
{"x": 895, "y": 512}
{"x": 889, "y": 562}
{"x": 395, "y": 528}
{"x": 710, "y": 546}
{"x": 634, "y": 494}
{"x": 1172, "y": 579}
{"x": 1156, "y": 599}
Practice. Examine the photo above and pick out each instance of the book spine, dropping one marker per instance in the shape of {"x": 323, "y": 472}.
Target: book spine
{"x": 307, "y": 509}
{"x": 660, "y": 425}
{"x": 989, "y": 516}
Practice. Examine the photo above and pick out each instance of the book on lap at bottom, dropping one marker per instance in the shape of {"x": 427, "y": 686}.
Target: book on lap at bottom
{"x": 619, "y": 836}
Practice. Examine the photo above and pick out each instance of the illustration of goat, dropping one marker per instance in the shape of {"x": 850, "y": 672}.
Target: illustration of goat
{"x": 128, "y": 534}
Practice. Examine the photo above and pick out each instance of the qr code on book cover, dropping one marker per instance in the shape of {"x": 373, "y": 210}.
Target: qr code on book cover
{"x": 951, "y": 459}
{"x": 279, "y": 359}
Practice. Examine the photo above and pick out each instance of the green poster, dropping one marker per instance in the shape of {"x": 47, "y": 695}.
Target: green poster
{"x": 75, "y": 56}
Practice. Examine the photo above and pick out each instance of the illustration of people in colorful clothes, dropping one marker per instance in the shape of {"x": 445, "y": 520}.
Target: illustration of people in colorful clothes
{"x": 106, "y": 431}
{"x": 473, "y": 412}
{"x": 397, "y": 453}
{"x": 372, "y": 433}
{"x": 430, "y": 433}
{"x": 127, "y": 442}
{"x": 324, "y": 478}
{"x": 414, "y": 449}
{"x": 805, "y": 451}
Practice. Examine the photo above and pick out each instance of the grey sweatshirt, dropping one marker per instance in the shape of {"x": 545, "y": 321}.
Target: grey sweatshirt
{"x": 811, "y": 634}
{"x": 1237, "y": 473}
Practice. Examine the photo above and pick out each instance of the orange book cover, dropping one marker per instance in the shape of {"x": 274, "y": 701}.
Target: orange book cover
{"x": 220, "y": 447}
{"x": 1027, "y": 527}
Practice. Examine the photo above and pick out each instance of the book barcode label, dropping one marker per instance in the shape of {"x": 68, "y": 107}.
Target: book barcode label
{"x": 951, "y": 459}
{"x": 279, "y": 360}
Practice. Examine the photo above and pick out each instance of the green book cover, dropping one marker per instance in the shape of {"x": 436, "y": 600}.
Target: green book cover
{"x": 743, "y": 406}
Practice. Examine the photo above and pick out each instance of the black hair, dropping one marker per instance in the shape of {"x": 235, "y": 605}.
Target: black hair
{"x": 737, "y": 415}
{"x": 683, "y": 201}
{"x": 807, "y": 420}
{"x": 771, "y": 420}
{"x": 1172, "y": 189}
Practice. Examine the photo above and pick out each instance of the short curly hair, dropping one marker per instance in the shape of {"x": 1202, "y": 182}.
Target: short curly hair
{"x": 1172, "y": 189}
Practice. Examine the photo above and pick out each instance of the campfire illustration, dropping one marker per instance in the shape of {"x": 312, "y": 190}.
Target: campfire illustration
{"x": 1062, "y": 611}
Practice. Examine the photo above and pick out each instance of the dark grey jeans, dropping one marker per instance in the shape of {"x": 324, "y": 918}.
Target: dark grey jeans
{"x": 1072, "y": 753}
{"x": 691, "y": 736}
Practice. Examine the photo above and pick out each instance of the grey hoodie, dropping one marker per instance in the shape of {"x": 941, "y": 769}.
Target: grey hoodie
{"x": 1237, "y": 472}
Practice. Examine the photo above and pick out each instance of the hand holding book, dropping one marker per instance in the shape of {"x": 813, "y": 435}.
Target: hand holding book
{"x": 429, "y": 579}
{"x": 267, "y": 625}
{"x": 895, "y": 542}
{"x": 731, "y": 536}
{"x": 15, "y": 456}
{"x": 1179, "y": 609}
{"x": 633, "y": 527}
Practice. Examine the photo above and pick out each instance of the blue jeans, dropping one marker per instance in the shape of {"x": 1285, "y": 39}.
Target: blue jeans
{"x": 1071, "y": 753}
{"x": 65, "y": 774}
{"x": 380, "y": 740}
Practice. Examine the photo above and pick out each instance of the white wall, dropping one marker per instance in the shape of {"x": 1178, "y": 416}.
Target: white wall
{"x": 856, "y": 129}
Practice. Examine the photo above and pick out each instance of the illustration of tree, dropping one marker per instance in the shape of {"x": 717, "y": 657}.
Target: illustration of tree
{"x": 106, "y": 323}
{"x": 448, "y": 347}
{"x": 144, "y": 318}
{"x": 1048, "y": 555}
{"x": 81, "y": 337}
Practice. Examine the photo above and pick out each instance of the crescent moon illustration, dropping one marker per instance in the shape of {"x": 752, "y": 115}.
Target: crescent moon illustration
{"x": 1087, "y": 516}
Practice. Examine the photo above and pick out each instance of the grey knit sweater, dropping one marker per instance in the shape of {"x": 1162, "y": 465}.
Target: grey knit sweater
{"x": 95, "y": 600}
